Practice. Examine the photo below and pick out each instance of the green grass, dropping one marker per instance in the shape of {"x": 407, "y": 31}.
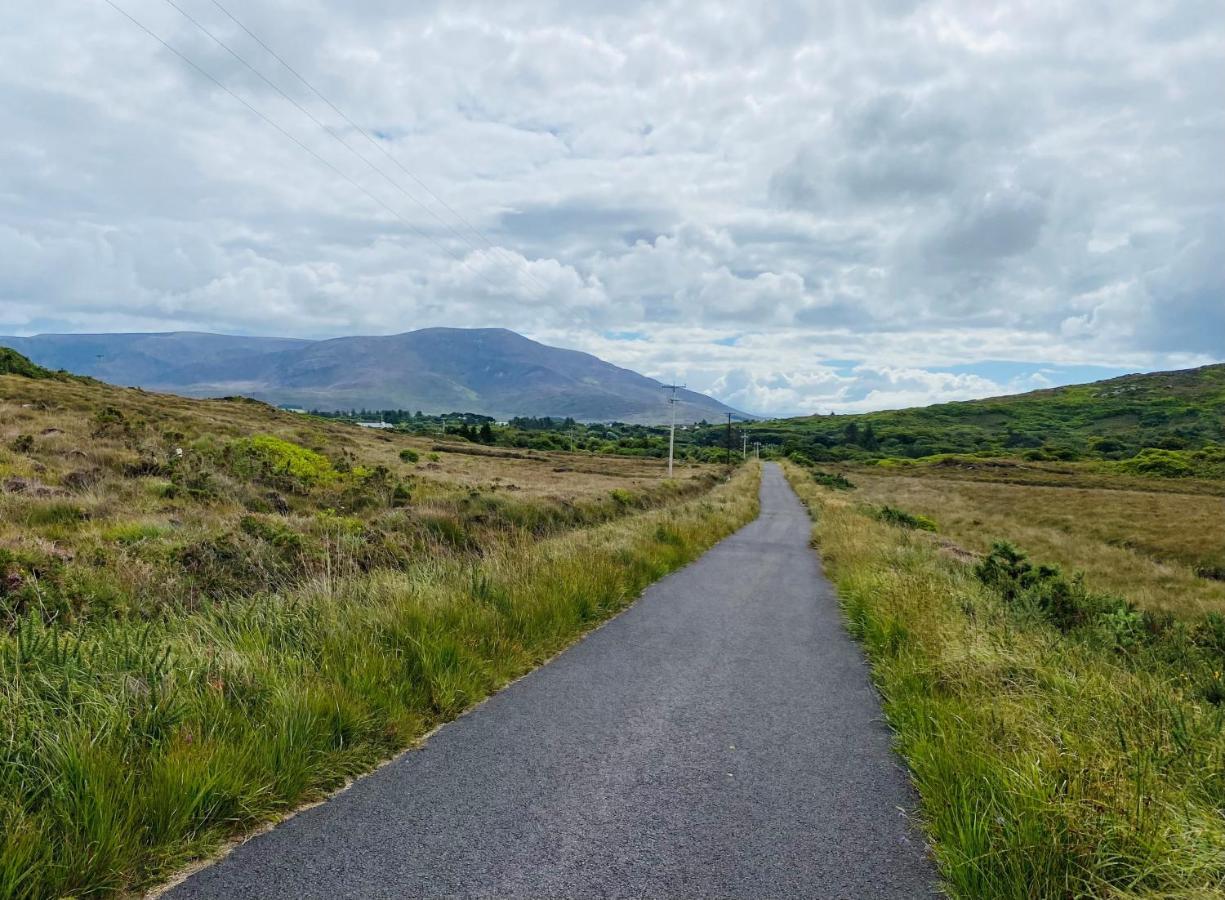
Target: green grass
{"x": 132, "y": 746}
{"x": 1063, "y": 743}
{"x": 212, "y": 611}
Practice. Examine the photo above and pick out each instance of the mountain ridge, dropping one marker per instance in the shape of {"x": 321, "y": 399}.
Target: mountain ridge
{"x": 492, "y": 371}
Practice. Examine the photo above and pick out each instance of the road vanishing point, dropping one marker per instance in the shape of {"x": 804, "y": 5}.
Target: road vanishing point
{"x": 720, "y": 738}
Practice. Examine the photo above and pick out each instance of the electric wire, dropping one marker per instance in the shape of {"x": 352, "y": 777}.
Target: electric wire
{"x": 267, "y": 119}
{"x": 331, "y": 133}
{"x": 379, "y": 146}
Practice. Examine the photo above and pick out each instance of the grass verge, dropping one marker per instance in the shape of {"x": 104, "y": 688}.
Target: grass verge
{"x": 1053, "y": 757}
{"x": 130, "y": 747}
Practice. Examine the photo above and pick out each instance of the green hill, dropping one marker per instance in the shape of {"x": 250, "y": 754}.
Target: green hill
{"x": 1115, "y": 419}
{"x": 13, "y": 363}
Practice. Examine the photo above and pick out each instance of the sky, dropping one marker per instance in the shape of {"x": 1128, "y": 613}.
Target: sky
{"x": 794, "y": 206}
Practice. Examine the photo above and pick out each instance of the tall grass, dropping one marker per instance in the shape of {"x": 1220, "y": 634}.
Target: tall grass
{"x": 128, "y": 747}
{"x": 1153, "y": 546}
{"x": 1049, "y": 762}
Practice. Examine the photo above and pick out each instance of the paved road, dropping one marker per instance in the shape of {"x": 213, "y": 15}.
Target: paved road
{"x": 718, "y": 739}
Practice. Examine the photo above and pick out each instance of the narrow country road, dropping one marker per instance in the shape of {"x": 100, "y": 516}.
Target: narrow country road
{"x": 718, "y": 739}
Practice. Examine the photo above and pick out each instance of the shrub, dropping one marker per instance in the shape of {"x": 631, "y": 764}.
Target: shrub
{"x": 271, "y": 459}
{"x": 275, "y": 533}
{"x": 409, "y": 456}
{"x": 1064, "y": 602}
{"x": 23, "y": 443}
{"x": 902, "y": 519}
{"x": 110, "y": 421}
{"x": 832, "y": 480}
{"x": 1209, "y": 634}
{"x": 1158, "y": 463}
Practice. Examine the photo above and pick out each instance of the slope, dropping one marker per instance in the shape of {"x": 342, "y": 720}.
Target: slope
{"x": 1112, "y": 419}
{"x": 491, "y": 371}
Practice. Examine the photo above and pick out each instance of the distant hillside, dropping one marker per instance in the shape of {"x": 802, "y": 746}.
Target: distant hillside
{"x": 1111, "y": 419}
{"x": 490, "y": 371}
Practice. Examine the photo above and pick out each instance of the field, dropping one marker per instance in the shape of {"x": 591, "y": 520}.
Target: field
{"x": 1158, "y": 542}
{"x": 1065, "y": 734}
{"x": 212, "y": 611}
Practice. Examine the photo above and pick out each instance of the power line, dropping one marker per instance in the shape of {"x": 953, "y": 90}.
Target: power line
{"x": 379, "y": 146}
{"x": 306, "y": 112}
{"x": 303, "y": 146}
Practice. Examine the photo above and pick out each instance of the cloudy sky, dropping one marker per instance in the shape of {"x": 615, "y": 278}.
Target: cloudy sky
{"x": 795, "y": 206}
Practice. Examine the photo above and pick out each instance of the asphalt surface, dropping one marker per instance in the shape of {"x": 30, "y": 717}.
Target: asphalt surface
{"x": 718, "y": 739}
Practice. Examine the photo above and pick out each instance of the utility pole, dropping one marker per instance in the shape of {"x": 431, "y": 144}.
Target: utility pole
{"x": 672, "y": 431}
{"x": 757, "y": 449}
{"x": 744, "y": 445}
{"x": 729, "y": 439}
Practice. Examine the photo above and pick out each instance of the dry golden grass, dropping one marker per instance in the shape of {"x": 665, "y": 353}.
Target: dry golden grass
{"x": 130, "y": 500}
{"x": 1145, "y": 545}
{"x": 60, "y": 418}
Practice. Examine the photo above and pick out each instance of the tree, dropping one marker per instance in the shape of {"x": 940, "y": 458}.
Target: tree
{"x": 486, "y": 435}
{"x": 868, "y": 439}
{"x": 850, "y": 434}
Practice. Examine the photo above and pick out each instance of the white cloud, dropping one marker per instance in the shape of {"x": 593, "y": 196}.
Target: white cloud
{"x": 902, "y": 185}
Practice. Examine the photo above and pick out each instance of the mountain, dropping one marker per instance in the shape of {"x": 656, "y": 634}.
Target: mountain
{"x": 1111, "y": 419}
{"x": 490, "y": 371}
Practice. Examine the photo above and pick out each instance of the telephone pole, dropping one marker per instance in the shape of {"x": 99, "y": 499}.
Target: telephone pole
{"x": 672, "y": 431}
{"x": 744, "y": 445}
{"x": 729, "y": 439}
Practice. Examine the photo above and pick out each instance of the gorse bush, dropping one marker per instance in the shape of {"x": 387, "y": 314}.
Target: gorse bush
{"x": 1205, "y": 462}
{"x": 1065, "y": 602}
{"x": 902, "y": 519}
{"x": 832, "y": 480}
{"x": 279, "y": 462}
{"x": 1160, "y": 463}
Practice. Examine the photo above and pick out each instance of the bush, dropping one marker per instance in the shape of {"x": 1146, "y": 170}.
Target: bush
{"x": 902, "y": 519}
{"x": 270, "y": 459}
{"x": 832, "y": 480}
{"x": 409, "y": 456}
{"x": 1064, "y": 602}
{"x": 1158, "y": 463}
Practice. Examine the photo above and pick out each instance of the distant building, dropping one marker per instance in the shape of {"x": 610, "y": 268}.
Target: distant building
{"x": 376, "y": 425}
